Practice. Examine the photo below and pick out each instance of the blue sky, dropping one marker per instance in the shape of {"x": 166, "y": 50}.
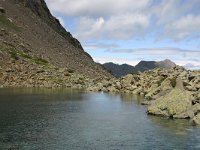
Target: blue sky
{"x": 127, "y": 31}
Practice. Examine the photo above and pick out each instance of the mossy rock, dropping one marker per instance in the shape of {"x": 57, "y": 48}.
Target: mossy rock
{"x": 196, "y": 119}
{"x": 172, "y": 105}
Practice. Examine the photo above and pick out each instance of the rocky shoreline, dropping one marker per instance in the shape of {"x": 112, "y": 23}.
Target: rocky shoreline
{"x": 173, "y": 93}
{"x": 20, "y": 69}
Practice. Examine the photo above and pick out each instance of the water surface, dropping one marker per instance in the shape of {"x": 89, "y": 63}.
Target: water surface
{"x": 32, "y": 119}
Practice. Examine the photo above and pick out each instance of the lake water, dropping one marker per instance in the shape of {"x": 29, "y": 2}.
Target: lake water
{"x": 39, "y": 119}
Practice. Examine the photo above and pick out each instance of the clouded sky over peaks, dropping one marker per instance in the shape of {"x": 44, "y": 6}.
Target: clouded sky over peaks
{"x": 127, "y": 31}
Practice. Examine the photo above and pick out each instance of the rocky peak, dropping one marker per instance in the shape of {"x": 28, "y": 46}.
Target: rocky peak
{"x": 168, "y": 64}
{"x": 39, "y": 7}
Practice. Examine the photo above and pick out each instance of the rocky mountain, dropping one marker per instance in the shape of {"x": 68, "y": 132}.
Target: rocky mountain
{"x": 31, "y": 36}
{"x": 124, "y": 69}
{"x": 119, "y": 70}
{"x": 28, "y": 26}
{"x": 149, "y": 65}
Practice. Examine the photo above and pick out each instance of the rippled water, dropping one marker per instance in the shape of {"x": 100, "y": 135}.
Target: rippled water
{"x": 34, "y": 119}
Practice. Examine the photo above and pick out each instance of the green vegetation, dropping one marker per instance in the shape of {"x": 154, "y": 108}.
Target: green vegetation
{"x": 6, "y": 22}
{"x": 40, "y": 61}
{"x": 15, "y": 54}
{"x": 25, "y": 55}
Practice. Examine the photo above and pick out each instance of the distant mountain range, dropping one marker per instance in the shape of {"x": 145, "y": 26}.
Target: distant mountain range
{"x": 124, "y": 69}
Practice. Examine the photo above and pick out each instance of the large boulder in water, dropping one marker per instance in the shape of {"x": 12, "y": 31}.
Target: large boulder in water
{"x": 196, "y": 119}
{"x": 173, "y": 104}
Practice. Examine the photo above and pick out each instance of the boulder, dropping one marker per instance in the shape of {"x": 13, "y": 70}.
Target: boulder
{"x": 166, "y": 85}
{"x": 196, "y": 108}
{"x": 118, "y": 85}
{"x": 173, "y": 104}
{"x": 179, "y": 83}
{"x": 127, "y": 80}
{"x": 196, "y": 119}
{"x": 153, "y": 90}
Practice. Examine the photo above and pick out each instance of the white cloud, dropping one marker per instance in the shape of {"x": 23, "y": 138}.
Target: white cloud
{"x": 116, "y": 27}
{"x": 96, "y": 8}
{"x": 192, "y": 66}
{"x": 125, "y": 19}
{"x": 103, "y": 60}
{"x": 94, "y": 46}
{"x": 89, "y": 28}
{"x": 186, "y": 27}
{"x": 126, "y": 26}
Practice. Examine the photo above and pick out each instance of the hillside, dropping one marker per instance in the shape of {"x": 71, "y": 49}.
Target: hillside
{"x": 124, "y": 69}
{"x": 31, "y": 36}
{"x": 28, "y": 26}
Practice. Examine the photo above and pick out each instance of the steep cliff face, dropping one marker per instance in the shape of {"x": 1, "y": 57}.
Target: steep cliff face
{"x": 27, "y": 26}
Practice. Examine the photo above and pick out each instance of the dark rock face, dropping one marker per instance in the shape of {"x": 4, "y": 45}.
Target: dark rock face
{"x": 119, "y": 70}
{"x": 145, "y": 65}
{"x": 28, "y": 26}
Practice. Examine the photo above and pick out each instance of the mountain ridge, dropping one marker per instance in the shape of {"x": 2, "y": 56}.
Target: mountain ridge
{"x": 124, "y": 69}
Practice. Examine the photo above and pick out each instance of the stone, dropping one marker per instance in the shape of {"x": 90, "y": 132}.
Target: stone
{"x": 172, "y": 104}
{"x": 118, "y": 85}
{"x": 196, "y": 108}
{"x": 166, "y": 85}
{"x": 127, "y": 80}
{"x": 196, "y": 119}
{"x": 191, "y": 88}
{"x": 179, "y": 83}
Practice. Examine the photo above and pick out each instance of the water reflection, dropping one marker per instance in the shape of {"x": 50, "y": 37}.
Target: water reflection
{"x": 68, "y": 119}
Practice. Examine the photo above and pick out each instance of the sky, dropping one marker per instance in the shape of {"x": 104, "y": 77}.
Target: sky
{"x": 128, "y": 31}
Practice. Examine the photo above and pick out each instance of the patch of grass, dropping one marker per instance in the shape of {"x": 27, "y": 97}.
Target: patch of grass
{"x": 6, "y": 22}
{"x": 25, "y": 55}
{"x": 13, "y": 54}
{"x": 40, "y": 61}
{"x": 16, "y": 54}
